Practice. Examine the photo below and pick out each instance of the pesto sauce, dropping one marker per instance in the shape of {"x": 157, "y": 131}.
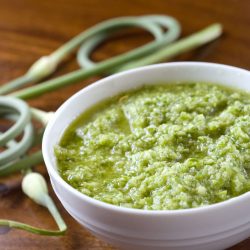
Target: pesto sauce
{"x": 172, "y": 146}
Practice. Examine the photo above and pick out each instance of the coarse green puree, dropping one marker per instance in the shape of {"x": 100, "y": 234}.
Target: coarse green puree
{"x": 171, "y": 146}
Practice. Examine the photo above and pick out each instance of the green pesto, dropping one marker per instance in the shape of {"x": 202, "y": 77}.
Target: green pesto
{"x": 161, "y": 147}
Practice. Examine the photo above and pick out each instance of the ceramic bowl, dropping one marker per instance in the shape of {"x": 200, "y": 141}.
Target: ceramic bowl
{"x": 217, "y": 226}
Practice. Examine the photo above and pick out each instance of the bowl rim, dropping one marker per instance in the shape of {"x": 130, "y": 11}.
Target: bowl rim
{"x": 115, "y": 208}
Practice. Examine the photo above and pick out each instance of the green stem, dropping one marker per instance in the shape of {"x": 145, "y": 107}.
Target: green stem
{"x": 41, "y": 116}
{"x": 120, "y": 22}
{"x": 16, "y": 83}
{"x": 53, "y": 211}
{"x": 35, "y": 187}
{"x": 46, "y": 65}
{"x": 31, "y": 229}
{"x": 23, "y": 163}
{"x": 56, "y": 215}
{"x": 185, "y": 44}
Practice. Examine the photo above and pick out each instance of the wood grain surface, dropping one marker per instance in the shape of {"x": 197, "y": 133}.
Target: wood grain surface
{"x": 30, "y": 29}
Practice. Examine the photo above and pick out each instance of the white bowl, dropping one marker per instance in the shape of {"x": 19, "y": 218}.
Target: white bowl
{"x": 216, "y": 226}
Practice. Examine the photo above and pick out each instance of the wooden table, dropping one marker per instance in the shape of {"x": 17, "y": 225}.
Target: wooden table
{"x": 30, "y": 29}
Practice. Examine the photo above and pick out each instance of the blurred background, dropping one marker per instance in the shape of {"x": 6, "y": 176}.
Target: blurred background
{"x": 30, "y": 29}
